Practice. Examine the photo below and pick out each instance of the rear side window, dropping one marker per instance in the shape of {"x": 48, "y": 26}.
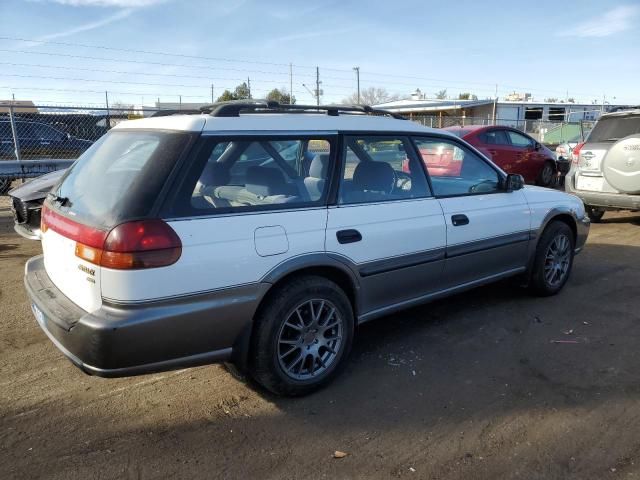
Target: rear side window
{"x": 243, "y": 174}
{"x": 120, "y": 176}
{"x": 494, "y": 137}
{"x": 612, "y": 129}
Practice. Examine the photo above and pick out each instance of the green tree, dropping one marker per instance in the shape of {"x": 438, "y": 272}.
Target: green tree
{"x": 241, "y": 92}
{"x": 281, "y": 96}
{"x": 467, "y": 96}
{"x": 551, "y": 100}
{"x": 226, "y": 96}
{"x": 442, "y": 94}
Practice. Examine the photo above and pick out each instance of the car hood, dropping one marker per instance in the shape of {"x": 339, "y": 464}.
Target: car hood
{"x": 37, "y": 188}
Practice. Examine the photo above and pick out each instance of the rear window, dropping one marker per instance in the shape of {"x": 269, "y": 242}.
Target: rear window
{"x": 120, "y": 176}
{"x": 612, "y": 129}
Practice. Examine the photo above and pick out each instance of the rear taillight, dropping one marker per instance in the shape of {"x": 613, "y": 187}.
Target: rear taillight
{"x": 132, "y": 245}
{"x": 141, "y": 244}
{"x": 576, "y": 152}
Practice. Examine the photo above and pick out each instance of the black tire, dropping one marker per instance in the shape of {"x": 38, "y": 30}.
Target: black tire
{"x": 277, "y": 323}
{"x": 547, "y": 175}
{"x": 550, "y": 272}
{"x": 595, "y": 214}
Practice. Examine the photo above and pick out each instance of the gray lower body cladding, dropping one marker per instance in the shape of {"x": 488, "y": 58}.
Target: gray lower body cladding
{"x": 604, "y": 199}
{"x": 122, "y": 340}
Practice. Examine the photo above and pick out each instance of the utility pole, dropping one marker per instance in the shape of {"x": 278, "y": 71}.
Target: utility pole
{"x": 106, "y": 101}
{"x": 317, "y": 86}
{"x": 357, "y": 70}
{"x": 249, "y": 86}
{"x": 212, "y": 100}
{"x": 290, "y": 83}
{"x": 180, "y": 99}
{"x": 495, "y": 100}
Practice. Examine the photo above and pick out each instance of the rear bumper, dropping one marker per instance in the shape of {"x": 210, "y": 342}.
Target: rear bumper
{"x": 604, "y": 199}
{"x": 125, "y": 340}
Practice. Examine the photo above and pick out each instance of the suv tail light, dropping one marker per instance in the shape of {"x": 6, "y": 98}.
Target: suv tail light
{"x": 576, "y": 153}
{"x": 131, "y": 245}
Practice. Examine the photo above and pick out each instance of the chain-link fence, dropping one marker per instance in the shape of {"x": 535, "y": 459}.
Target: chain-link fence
{"x": 548, "y": 132}
{"x": 40, "y": 139}
{"x": 65, "y": 132}
{"x": 56, "y": 132}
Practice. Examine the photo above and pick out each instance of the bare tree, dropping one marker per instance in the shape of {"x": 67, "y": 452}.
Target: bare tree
{"x": 122, "y": 107}
{"x": 371, "y": 96}
{"x": 442, "y": 94}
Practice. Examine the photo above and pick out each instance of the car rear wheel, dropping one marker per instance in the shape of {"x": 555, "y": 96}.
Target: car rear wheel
{"x": 545, "y": 178}
{"x": 302, "y": 336}
{"x": 553, "y": 259}
{"x": 595, "y": 214}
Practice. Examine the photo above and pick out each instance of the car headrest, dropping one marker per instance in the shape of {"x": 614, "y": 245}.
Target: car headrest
{"x": 215, "y": 174}
{"x": 374, "y": 176}
{"x": 319, "y": 165}
{"x": 264, "y": 181}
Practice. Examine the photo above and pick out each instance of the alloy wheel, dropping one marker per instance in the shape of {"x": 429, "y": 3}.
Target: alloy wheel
{"x": 557, "y": 260}
{"x": 309, "y": 340}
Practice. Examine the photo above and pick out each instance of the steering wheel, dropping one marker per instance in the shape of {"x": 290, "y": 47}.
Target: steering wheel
{"x": 402, "y": 181}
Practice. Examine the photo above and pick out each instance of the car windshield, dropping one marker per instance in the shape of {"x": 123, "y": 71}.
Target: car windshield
{"x": 612, "y": 129}
{"x": 119, "y": 176}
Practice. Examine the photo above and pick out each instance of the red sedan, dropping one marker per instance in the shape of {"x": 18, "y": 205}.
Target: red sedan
{"x": 510, "y": 149}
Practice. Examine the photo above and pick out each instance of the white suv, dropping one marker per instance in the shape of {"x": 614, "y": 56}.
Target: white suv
{"x": 262, "y": 235}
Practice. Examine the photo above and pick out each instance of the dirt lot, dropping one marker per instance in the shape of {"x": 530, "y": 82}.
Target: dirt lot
{"x": 471, "y": 387}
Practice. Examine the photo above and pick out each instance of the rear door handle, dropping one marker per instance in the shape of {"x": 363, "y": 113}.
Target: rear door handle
{"x": 348, "y": 236}
{"x": 459, "y": 220}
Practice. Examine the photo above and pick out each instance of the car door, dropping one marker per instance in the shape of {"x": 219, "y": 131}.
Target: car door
{"x": 527, "y": 161}
{"x": 495, "y": 145}
{"x": 386, "y": 224}
{"x": 488, "y": 228}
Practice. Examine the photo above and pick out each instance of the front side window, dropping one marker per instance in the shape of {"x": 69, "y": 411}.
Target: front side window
{"x": 519, "y": 140}
{"x": 455, "y": 170}
{"x": 240, "y": 174}
{"x": 378, "y": 169}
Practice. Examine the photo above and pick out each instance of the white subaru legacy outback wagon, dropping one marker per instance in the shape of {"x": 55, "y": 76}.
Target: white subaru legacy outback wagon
{"x": 262, "y": 234}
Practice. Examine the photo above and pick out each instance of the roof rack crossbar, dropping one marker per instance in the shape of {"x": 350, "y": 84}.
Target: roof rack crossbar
{"x": 235, "y": 107}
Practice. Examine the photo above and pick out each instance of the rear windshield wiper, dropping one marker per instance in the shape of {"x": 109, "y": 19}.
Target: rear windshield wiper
{"x": 62, "y": 201}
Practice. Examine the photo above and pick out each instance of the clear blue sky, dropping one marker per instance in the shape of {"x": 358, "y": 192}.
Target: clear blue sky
{"x": 543, "y": 47}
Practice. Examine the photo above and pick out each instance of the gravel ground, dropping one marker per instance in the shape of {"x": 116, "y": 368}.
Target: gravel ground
{"x": 470, "y": 387}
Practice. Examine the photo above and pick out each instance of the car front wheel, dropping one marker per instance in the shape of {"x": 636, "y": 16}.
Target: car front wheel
{"x": 553, "y": 259}
{"x": 302, "y": 336}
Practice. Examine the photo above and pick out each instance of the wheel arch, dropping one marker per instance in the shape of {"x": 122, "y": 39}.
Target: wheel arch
{"x": 334, "y": 268}
{"x": 558, "y": 214}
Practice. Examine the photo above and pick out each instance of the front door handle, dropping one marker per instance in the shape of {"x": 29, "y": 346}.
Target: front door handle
{"x": 348, "y": 236}
{"x": 459, "y": 220}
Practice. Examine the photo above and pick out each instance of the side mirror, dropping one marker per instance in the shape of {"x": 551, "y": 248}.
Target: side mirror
{"x": 514, "y": 182}
{"x": 537, "y": 146}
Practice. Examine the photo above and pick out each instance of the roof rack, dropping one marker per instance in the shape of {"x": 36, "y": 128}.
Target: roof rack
{"x": 235, "y": 107}
{"x": 168, "y": 113}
